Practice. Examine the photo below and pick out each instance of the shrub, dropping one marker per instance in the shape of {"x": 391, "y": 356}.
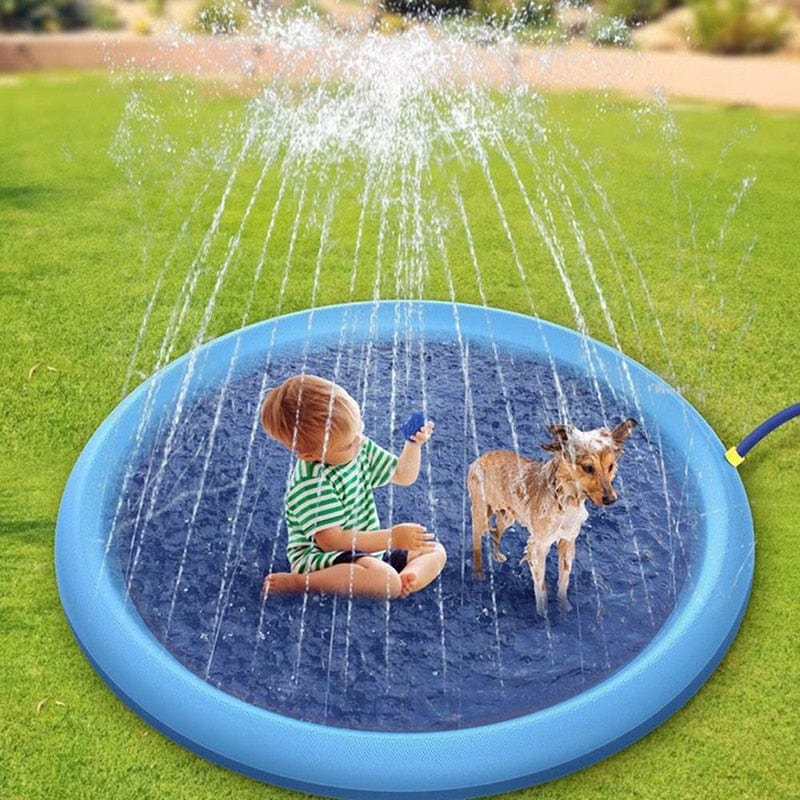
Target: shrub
{"x": 534, "y": 13}
{"x": 142, "y": 26}
{"x": 738, "y": 26}
{"x": 492, "y": 9}
{"x": 104, "y": 17}
{"x": 500, "y": 12}
{"x": 635, "y": 12}
{"x": 425, "y": 8}
{"x": 55, "y": 15}
{"x": 390, "y": 23}
{"x": 221, "y": 17}
{"x": 609, "y": 31}
{"x": 156, "y": 8}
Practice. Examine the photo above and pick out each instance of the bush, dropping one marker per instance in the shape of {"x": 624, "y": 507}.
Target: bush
{"x": 635, "y": 12}
{"x": 55, "y": 15}
{"x": 609, "y": 31}
{"x": 391, "y": 23}
{"x": 156, "y": 8}
{"x": 142, "y": 26}
{"x": 425, "y": 8}
{"x": 104, "y": 17}
{"x": 221, "y": 17}
{"x": 533, "y": 13}
{"x": 738, "y": 26}
{"x": 500, "y": 12}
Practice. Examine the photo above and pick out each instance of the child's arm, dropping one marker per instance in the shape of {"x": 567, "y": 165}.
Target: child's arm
{"x": 408, "y": 463}
{"x": 405, "y": 536}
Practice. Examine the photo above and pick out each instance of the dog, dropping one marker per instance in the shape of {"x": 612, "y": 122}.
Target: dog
{"x": 548, "y": 498}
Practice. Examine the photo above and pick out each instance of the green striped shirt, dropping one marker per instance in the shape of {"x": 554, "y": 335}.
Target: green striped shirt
{"x": 321, "y": 496}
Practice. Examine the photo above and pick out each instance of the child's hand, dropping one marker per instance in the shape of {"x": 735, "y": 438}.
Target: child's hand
{"x": 423, "y": 434}
{"x": 410, "y": 536}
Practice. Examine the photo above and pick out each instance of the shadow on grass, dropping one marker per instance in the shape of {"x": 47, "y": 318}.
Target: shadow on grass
{"x": 26, "y": 530}
{"x": 12, "y": 522}
{"x": 26, "y": 197}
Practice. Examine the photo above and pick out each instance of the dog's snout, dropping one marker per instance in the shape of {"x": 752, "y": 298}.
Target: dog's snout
{"x": 609, "y": 499}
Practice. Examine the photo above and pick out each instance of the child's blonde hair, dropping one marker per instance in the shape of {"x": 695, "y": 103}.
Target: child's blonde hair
{"x": 300, "y": 412}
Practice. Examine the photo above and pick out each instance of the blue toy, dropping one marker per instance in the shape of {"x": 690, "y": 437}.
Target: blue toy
{"x": 414, "y": 423}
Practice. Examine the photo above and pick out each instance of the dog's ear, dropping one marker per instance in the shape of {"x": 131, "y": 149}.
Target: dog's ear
{"x": 560, "y": 438}
{"x": 622, "y": 431}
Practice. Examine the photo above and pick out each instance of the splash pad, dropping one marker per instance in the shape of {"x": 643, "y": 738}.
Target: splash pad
{"x": 392, "y": 161}
{"x": 706, "y": 522}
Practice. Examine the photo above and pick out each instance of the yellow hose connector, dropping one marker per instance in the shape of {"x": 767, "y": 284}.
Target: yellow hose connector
{"x": 733, "y": 457}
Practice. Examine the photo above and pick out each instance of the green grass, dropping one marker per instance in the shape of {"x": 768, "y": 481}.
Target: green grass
{"x": 82, "y": 245}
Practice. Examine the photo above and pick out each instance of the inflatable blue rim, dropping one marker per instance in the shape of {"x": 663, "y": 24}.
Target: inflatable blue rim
{"x": 352, "y": 764}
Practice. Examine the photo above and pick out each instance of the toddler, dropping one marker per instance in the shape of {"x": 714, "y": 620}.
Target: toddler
{"x": 336, "y": 544}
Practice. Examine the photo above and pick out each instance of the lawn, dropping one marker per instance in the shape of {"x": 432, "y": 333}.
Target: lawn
{"x": 107, "y": 190}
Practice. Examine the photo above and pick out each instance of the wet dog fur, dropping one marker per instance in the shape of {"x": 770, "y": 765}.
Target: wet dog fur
{"x": 548, "y": 498}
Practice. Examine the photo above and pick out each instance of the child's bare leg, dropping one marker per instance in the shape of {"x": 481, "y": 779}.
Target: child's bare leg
{"x": 367, "y": 577}
{"x": 283, "y": 583}
{"x": 422, "y": 568}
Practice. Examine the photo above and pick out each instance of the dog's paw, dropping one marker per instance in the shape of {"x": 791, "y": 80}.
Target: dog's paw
{"x": 564, "y": 605}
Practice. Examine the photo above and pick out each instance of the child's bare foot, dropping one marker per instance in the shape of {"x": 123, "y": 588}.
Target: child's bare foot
{"x": 422, "y": 568}
{"x": 409, "y": 582}
{"x": 283, "y": 583}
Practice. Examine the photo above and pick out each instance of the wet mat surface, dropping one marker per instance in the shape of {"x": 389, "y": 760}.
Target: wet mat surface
{"x": 196, "y": 539}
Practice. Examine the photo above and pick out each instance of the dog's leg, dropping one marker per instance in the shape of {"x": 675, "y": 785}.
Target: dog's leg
{"x": 537, "y": 559}
{"x": 566, "y": 555}
{"x": 481, "y": 513}
{"x": 503, "y": 521}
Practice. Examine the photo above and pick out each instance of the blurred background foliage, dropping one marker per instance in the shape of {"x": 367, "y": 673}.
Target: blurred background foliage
{"x": 717, "y": 26}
